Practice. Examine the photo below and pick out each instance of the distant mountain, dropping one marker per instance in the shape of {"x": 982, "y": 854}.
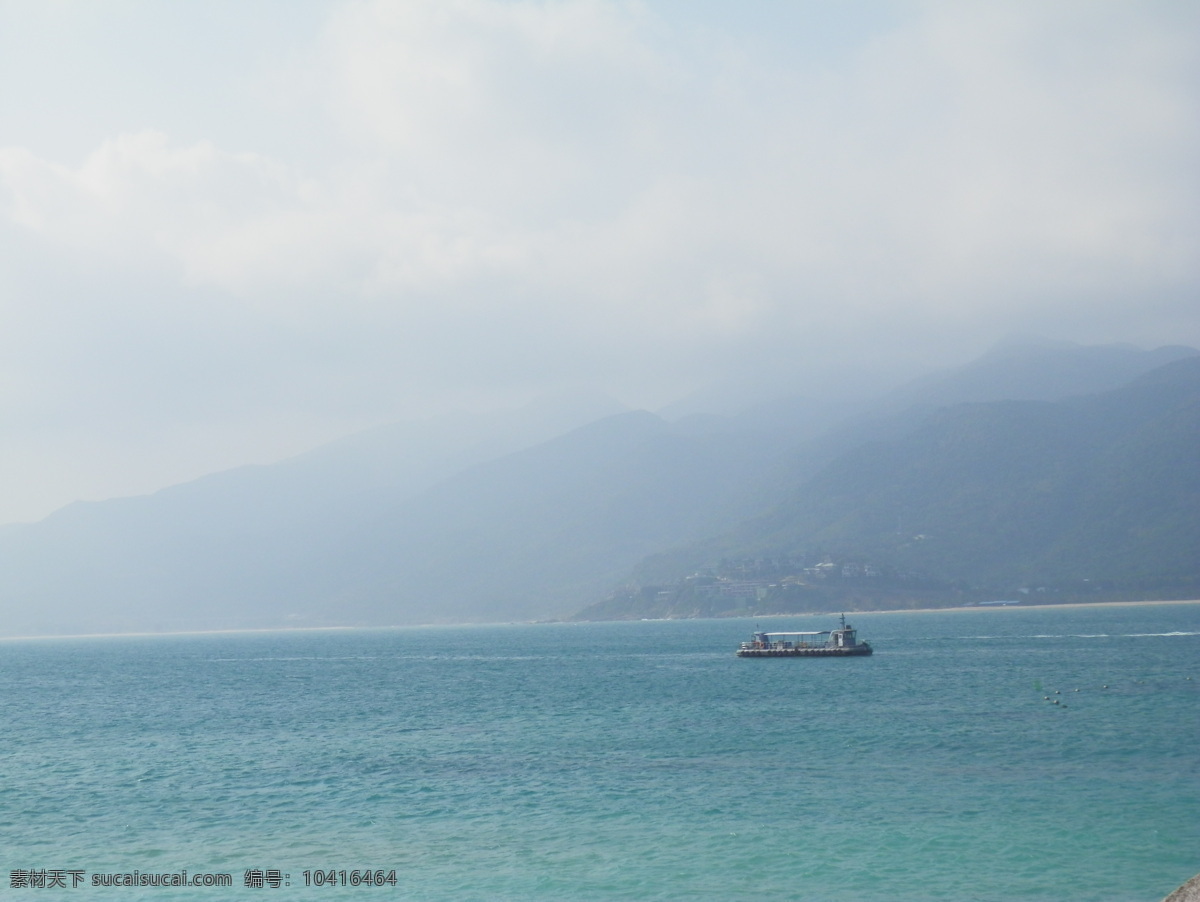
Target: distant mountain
{"x": 410, "y": 456}
{"x": 528, "y": 534}
{"x": 248, "y": 547}
{"x": 316, "y": 541}
{"x": 1066, "y": 499}
{"x": 536, "y": 513}
{"x": 1031, "y": 369}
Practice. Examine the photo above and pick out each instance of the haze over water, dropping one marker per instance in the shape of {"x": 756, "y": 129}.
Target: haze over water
{"x": 620, "y": 761}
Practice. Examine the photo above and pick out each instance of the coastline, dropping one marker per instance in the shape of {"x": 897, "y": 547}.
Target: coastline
{"x": 973, "y": 607}
{"x": 317, "y": 629}
{"x": 1035, "y": 607}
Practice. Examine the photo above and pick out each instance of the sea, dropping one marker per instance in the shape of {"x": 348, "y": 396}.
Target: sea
{"x": 1048, "y": 754}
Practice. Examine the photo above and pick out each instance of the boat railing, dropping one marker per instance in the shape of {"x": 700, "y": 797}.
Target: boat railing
{"x": 782, "y": 640}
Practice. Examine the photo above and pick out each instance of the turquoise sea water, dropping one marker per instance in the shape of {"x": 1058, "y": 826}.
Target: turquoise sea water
{"x": 616, "y": 761}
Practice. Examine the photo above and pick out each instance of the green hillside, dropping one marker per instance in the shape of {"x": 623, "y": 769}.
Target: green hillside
{"x": 1093, "y": 497}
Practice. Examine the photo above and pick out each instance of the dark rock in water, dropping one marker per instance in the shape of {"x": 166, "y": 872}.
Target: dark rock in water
{"x": 1189, "y": 892}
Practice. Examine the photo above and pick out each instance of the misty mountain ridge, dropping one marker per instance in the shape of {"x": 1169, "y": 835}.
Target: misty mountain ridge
{"x": 1033, "y": 369}
{"x": 515, "y": 517}
{"x": 1091, "y": 494}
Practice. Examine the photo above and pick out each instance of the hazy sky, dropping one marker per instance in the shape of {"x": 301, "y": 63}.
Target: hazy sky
{"x": 232, "y": 229}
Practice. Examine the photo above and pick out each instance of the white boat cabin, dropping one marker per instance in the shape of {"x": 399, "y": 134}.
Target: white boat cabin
{"x": 840, "y": 638}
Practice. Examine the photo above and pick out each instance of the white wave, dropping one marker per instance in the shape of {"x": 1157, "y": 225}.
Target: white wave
{"x": 1072, "y": 636}
{"x": 1175, "y": 633}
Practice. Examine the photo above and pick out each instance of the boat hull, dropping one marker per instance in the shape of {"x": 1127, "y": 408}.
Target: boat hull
{"x": 854, "y": 652}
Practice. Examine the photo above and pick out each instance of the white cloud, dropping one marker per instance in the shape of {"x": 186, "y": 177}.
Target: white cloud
{"x": 515, "y": 193}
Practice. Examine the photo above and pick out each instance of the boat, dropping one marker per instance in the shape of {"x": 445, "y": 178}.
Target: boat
{"x": 839, "y": 643}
